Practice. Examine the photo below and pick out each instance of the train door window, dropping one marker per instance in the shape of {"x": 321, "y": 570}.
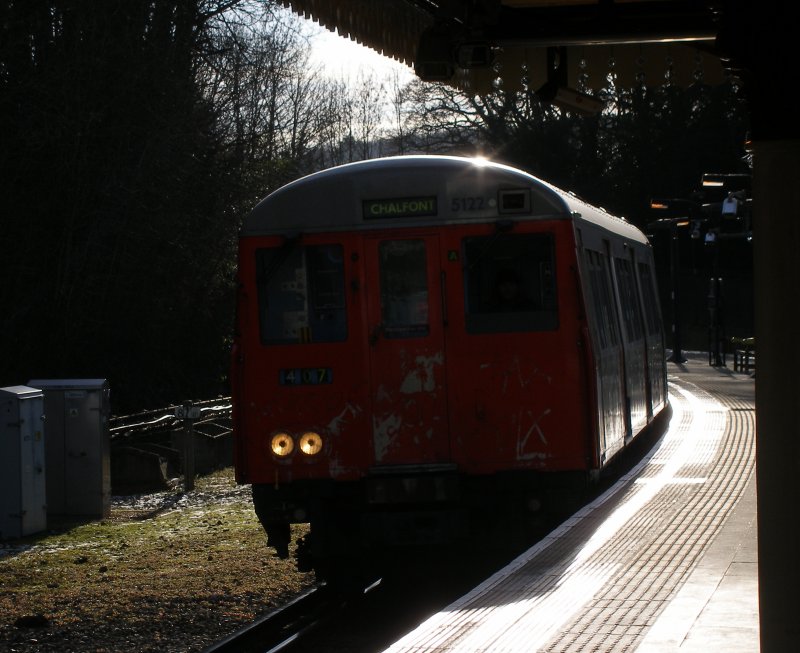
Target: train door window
{"x": 301, "y": 294}
{"x": 404, "y": 288}
{"x": 602, "y": 302}
{"x": 631, "y": 313}
{"x": 649, "y": 297}
{"x": 510, "y": 283}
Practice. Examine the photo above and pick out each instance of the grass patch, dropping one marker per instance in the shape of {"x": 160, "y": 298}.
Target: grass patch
{"x": 177, "y": 579}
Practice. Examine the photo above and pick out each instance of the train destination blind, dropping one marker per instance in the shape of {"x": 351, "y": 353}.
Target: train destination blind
{"x": 402, "y": 207}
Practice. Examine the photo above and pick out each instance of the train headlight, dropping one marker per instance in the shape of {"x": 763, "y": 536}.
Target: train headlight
{"x": 282, "y": 444}
{"x": 310, "y": 443}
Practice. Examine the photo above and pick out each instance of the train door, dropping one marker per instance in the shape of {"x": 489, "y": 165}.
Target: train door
{"x": 407, "y": 356}
{"x": 633, "y": 341}
{"x": 654, "y": 337}
{"x": 608, "y": 354}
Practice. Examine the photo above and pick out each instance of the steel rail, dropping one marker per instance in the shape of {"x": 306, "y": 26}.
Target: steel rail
{"x": 280, "y": 627}
{"x": 165, "y": 417}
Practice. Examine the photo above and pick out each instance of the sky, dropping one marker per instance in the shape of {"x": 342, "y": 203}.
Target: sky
{"x": 342, "y": 57}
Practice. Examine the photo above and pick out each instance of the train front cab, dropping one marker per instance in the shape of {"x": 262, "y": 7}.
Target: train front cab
{"x": 444, "y": 410}
{"x": 442, "y": 381}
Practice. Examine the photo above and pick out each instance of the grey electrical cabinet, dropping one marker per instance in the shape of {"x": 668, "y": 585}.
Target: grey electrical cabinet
{"x": 23, "y": 509}
{"x": 78, "y": 446}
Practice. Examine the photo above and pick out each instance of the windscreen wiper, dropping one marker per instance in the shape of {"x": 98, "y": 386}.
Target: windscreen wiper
{"x": 290, "y": 243}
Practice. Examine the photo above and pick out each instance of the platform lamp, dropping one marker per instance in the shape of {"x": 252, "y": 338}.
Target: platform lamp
{"x": 729, "y": 193}
{"x": 674, "y": 225}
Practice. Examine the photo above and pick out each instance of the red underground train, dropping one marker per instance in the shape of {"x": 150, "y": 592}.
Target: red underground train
{"x": 432, "y": 349}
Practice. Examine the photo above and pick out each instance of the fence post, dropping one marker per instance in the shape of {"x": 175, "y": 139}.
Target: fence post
{"x": 188, "y": 414}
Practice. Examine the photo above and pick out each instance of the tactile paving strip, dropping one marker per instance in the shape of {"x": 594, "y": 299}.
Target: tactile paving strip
{"x": 600, "y": 580}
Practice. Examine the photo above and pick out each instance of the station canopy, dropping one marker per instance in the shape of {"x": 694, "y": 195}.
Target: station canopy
{"x": 478, "y": 44}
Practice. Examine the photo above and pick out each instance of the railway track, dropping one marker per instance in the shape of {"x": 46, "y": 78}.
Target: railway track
{"x": 360, "y": 619}
{"x": 282, "y": 626}
{"x": 290, "y": 626}
{"x": 125, "y": 427}
{"x": 149, "y": 448}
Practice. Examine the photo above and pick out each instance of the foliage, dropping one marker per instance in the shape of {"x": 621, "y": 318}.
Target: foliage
{"x": 120, "y": 245}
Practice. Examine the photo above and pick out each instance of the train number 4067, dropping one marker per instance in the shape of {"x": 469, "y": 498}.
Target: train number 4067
{"x": 306, "y": 376}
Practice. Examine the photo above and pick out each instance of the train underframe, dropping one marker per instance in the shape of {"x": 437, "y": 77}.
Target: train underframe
{"x": 381, "y": 520}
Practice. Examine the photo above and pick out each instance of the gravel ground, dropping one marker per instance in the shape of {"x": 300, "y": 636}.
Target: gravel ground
{"x": 168, "y": 571}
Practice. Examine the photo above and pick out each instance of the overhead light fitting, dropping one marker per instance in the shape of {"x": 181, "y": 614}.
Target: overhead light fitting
{"x": 569, "y": 99}
{"x": 557, "y": 92}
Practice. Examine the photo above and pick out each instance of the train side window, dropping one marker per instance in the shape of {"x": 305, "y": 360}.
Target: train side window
{"x": 629, "y": 298}
{"x": 649, "y": 297}
{"x": 510, "y": 283}
{"x": 602, "y": 299}
{"x": 404, "y": 288}
{"x": 301, "y": 294}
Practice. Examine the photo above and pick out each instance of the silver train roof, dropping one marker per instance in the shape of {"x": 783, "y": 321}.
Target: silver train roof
{"x": 407, "y": 191}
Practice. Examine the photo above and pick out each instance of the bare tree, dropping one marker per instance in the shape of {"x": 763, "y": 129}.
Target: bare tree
{"x": 399, "y": 113}
{"x": 336, "y": 126}
{"x": 267, "y": 96}
{"x": 369, "y": 101}
{"x": 441, "y": 118}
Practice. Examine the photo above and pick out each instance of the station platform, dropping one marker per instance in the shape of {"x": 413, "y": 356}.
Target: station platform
{"x": 665, "y": 561}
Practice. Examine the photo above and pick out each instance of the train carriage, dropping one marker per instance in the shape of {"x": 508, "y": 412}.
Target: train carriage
{"x": 433, "y": 348}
